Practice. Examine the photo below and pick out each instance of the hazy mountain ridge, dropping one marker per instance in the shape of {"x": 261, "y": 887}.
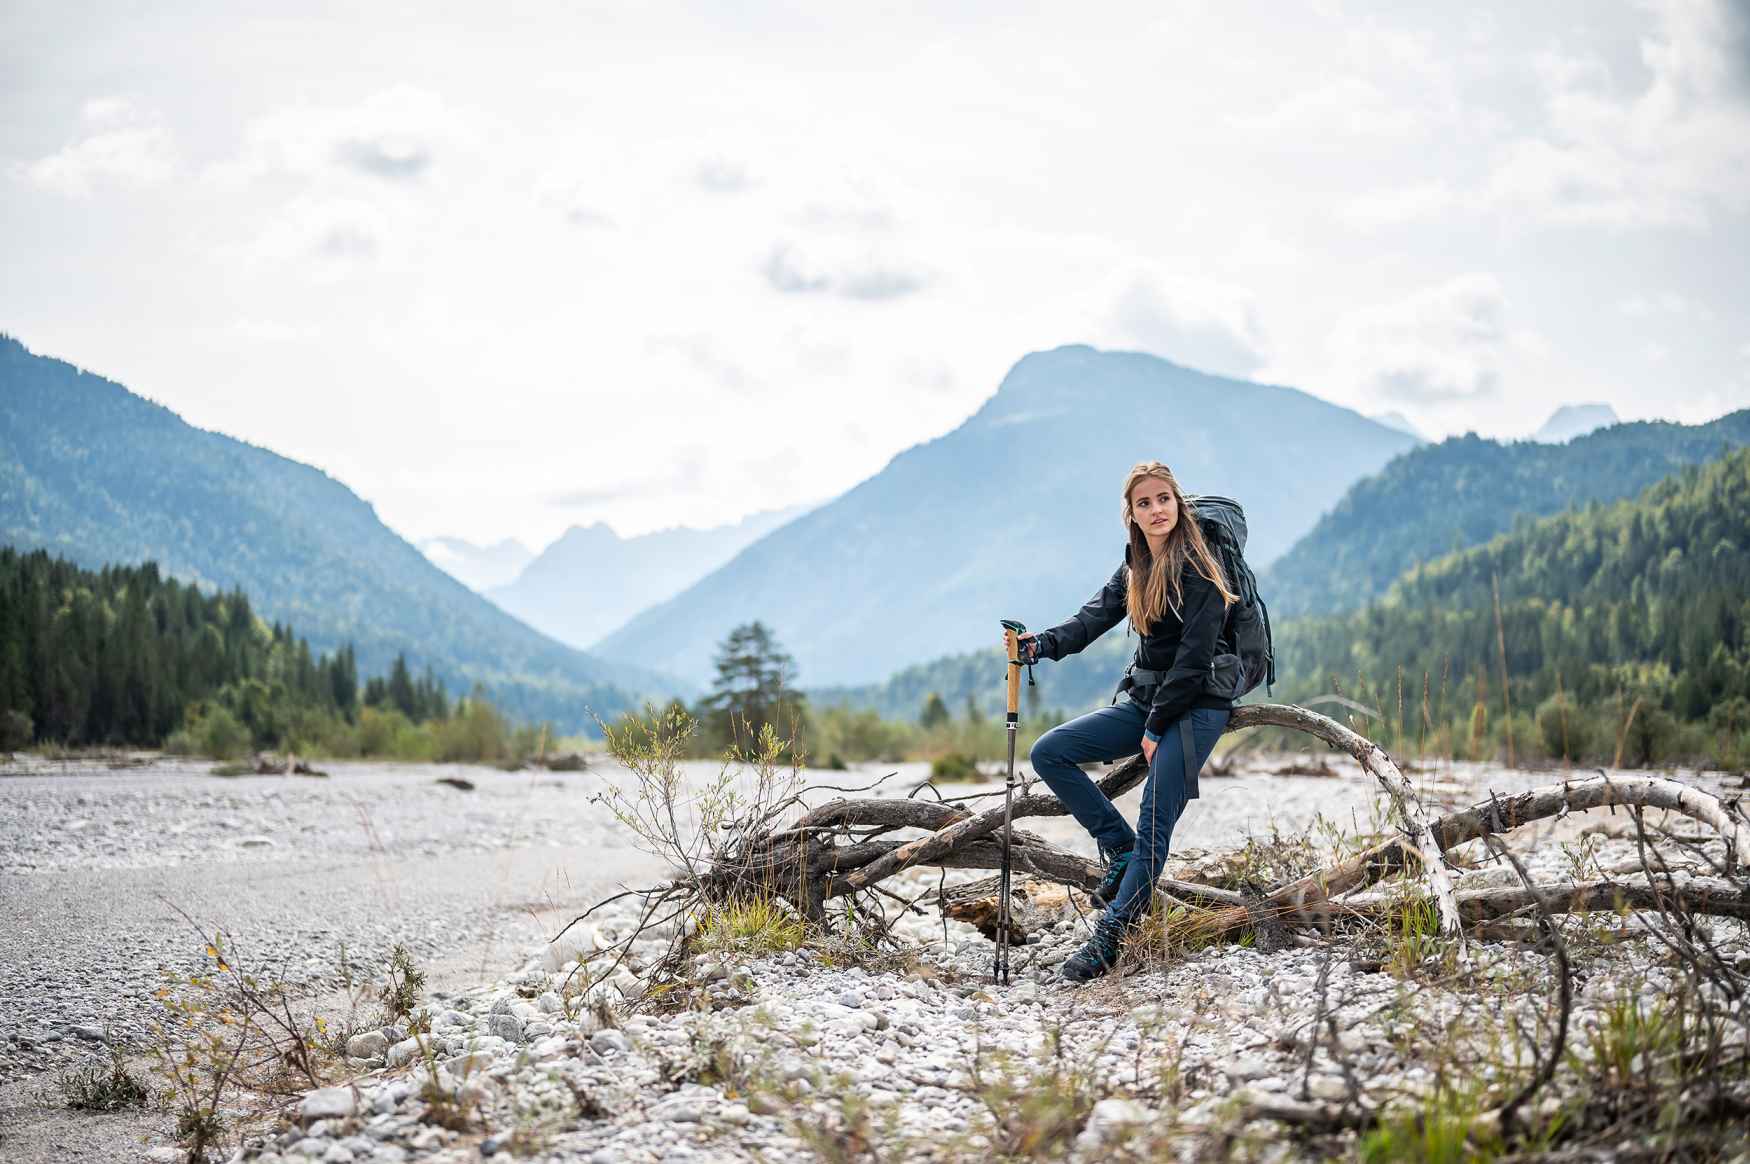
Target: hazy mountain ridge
{"x": 1677, "y": 543}
{"x": 1013, "y": 514}
{"x": 1573, "y": 420}
{"x": 1464, "y": 491}
{"x": 99, "y": 475}
{"x": 590, "y": 581}
{"x": 479, "y": 568}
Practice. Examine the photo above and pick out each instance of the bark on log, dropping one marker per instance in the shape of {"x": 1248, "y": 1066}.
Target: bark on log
{"x": 1371, "y": 757}
{"x": 1380, "y": 766}
{"x": 1709, "y": 895}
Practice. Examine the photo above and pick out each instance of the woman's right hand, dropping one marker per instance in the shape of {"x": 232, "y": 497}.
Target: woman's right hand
{"x": 1028, "y": 648}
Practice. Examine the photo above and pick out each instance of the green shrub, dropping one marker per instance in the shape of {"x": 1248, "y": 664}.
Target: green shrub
{"x": 954, "y": 766}
{"x": 16, "y": 730}
{"x": 210, "y": 730}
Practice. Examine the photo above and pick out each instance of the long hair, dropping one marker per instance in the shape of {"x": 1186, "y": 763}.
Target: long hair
{"x": 1154, "y": 582}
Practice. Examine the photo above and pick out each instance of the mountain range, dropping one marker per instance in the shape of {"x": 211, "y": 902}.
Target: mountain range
{"x": 591, "y": 580}
{"x": 98, "y": 475}
{"x": 1443, "y": 499}
{"x": 1015, "y": 513}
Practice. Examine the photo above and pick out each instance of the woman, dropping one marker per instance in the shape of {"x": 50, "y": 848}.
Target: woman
{"x": 1171, "y": 587}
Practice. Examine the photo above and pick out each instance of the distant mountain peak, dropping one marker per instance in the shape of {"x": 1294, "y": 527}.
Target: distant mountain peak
{"x": 1400, "y": 422}
{"x": 1573, "y": 420}
{"x": 477, "y": 567}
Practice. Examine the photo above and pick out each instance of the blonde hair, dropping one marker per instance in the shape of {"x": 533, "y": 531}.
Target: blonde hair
{"x": 1159, "y": 587}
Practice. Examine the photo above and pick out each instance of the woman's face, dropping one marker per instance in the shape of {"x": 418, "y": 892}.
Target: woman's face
{"x": 1154, "y": 508}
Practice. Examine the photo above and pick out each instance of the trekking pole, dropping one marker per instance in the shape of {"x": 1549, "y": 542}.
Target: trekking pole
{"x": 1011, "y": 632}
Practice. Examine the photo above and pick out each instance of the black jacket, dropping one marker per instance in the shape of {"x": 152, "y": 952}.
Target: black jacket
{"x": 1183, "y": 645}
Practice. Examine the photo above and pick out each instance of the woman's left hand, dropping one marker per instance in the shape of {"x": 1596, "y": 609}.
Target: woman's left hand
{"x": 1148, "y": 750}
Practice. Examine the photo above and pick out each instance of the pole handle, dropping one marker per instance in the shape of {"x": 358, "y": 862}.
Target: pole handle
{"x": 1012, "y": 641}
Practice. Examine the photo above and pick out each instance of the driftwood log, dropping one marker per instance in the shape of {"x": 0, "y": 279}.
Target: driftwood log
{"x": 845, "y": 847}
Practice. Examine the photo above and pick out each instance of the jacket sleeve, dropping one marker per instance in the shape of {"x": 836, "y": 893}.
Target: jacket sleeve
{"x": 1098, "y": 615}
{"x": 1204, "y": 613}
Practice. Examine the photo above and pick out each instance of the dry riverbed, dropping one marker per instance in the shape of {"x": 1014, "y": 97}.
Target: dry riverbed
{"x": 823, "y": 1051}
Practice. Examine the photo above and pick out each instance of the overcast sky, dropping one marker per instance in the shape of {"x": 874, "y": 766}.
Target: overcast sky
{"x": 505, "y": 268}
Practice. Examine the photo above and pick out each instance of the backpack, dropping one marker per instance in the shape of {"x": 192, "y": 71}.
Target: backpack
{"x": 1246, "y": 632}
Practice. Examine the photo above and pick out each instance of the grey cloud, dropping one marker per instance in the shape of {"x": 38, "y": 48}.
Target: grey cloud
{"x": 584, "y": 217}
{"x": 784, "y": 272}
{"x": 882, "y": 284}
{"x": 1230, "y": 346}
{"x": 722, "y": 176}
{"x": 788, "y": 272}
{"x": 859, "y": 219}
{"x": 701, "y": 354}
{"x": 394, "y": 161}
{"x": 685, "y": 473}
{"x": 1433, "y": 383}
{"x": 346, "y": 242}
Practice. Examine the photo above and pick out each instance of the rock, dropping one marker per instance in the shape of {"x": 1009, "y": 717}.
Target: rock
{"x": 368, "y": 1045}
{"x": 313, "y": 1148}
{"x": 681, "y": 1108}
{"x": 506, "y": 1026}
{"x": 850, "y": 998}
{"x": 550, "y": 1003}
{"x": 330, "y": 1103}
{"x": 609, "y": 1042}
{"x": 403, "y": 1052}
{"x": 90, "y": 1033}
{"x": 254, "y": 842}
{"x": 166, "y": 1156}
{"x": 471, "y": 1063}
{"x": 1109, "y": 1117}
{"x": 1248, "y": 1067}
{"x": 1329, "y": 1087}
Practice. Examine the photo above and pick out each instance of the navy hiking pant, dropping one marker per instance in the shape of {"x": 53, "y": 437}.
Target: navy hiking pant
{"x": 1111, "y": 733}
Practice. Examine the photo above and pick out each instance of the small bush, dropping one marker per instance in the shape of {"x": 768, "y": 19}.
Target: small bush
{"x": 212, "y": 731}
{"x": 98, "y": 1088}
{"x": 754, "y": 925}
{"x": 951, "y": 767}
{"x": 16, "y": 730}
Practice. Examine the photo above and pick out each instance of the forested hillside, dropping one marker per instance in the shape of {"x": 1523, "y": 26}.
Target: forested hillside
{"x": 1462, "y": 492}
{"x": 1622, "y": 623}
{"x": 93, "y": 472}
{"x": 1630, "y": 619}
{"x": 115, "y": 656}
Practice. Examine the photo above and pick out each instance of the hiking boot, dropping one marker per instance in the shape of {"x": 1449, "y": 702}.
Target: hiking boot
{"x": 1099, "y": 953}
{"x": 1107, "y": 891}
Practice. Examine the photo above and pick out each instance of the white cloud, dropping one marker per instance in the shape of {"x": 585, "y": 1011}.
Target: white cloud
{"x": 1440, "y": 344}
{"x": 1670, "y": 154}
{"x": 1401, "y": 205}
{"x": 829, "y": 266}
{"x": 395, "y": 135}
{"x": 722, "y": 176}
{"x": 126, "y": 149}
{"x": 337, "y": 232}
{"x": 1201, "y": 324}
{"x": 1351, "y": 106}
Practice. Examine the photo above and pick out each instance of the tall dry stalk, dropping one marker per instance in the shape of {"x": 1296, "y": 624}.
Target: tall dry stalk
{"x": 1501, "y": 646}
{"x": 1562, "y": 712}
{"x": 1622, "y": 732}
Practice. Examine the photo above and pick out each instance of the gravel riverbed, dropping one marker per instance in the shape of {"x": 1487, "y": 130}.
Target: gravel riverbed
{"x": 773, "y": 1051}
